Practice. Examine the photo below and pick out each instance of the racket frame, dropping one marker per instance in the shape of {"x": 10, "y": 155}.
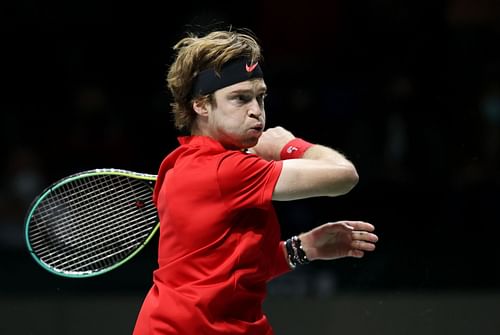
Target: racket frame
{"x": 69, "y": 179}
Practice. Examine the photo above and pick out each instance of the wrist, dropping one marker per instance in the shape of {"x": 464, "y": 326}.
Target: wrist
{"x": 295, "y": 149}
{"x": 308, "y": 246}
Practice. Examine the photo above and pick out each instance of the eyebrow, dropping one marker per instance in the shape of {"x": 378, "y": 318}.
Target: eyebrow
{"x": 260, "y": 89}
{"x": 246, "y": 92}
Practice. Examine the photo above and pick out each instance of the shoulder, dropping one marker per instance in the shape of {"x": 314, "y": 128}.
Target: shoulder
{"x": 237, "y": 161}
{"x": 239, "y": 168}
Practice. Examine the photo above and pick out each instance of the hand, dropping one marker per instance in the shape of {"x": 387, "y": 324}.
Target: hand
{"x": 271, "y": 142}
{"x": 339, "y": 239}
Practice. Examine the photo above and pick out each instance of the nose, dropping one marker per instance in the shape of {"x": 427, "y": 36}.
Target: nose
{"x": 255, "y": 110}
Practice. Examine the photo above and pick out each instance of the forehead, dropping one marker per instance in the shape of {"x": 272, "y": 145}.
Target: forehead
{"x": 257, "y": 85}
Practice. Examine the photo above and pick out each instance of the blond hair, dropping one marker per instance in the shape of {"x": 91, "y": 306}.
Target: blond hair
{"x": 195, "y": 54}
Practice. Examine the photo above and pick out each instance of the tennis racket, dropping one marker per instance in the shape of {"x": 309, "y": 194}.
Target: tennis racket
{"x": 91, "y": 222}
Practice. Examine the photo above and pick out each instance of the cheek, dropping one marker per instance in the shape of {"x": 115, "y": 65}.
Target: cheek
{"x": 226, "y": 121}
{"x": 233, "y": 118}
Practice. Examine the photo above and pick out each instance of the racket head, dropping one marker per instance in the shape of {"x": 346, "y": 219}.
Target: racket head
{"x": 91, "y": 222}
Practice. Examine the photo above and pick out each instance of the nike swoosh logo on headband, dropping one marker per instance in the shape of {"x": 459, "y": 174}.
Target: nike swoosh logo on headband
{"x": 250, "y": 68}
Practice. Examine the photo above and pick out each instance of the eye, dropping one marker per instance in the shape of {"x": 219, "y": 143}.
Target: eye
{"x": 244, "y": 98}
{"x": 261, "y": 98}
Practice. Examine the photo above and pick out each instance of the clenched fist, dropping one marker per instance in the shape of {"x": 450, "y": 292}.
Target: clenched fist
{"x": 271, "y": 142}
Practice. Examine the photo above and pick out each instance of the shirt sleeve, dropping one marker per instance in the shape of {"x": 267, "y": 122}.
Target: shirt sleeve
{"x": 281, "y": 265}
{"x": 247, "y": 180}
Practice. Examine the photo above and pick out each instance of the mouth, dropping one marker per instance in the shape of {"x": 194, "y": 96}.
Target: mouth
{"x": 258, "y": 127}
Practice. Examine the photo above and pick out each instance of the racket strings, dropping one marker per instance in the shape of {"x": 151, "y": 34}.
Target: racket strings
{"x": 93, "y": 246}
{"x": 85, "y": 213}
{"x": 101, "y": 250}
{"x": 92, "y": 222}
{"x": 66, "y": 223}
{"x": 81, "y": 197}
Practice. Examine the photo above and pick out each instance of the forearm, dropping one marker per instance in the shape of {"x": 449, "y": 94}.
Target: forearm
{"x": 299, "y": 148}
{"x": 308, "y": 170}
{"x": 321, "y": 152}
{"x": 313, "y": 170}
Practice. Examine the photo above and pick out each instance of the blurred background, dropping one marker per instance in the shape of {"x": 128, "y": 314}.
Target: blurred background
{"x": 408, "y": 90}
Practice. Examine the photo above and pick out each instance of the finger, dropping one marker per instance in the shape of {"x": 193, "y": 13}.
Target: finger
{"x": 362, "y": 245}
{"x": 364, "y": 236}
{"x": 355, "y": 253}
{"x": 333, "y": 228}
{"x": 344, "y": 225}
{"x": 360, "y": 225}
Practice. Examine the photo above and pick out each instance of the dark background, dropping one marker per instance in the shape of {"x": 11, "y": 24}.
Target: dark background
{"x": 408, "y": 90}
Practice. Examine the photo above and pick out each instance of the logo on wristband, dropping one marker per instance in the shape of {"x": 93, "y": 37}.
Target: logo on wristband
{"x": 294, "y": 149}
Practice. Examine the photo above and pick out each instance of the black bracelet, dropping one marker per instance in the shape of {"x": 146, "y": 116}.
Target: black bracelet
{"x": 291, "y": 254}
{"x": 301, "y": 256}
{"x": 296, "y": 254}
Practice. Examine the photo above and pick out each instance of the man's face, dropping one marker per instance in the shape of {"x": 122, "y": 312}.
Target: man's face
{"x": 237, "y": 118}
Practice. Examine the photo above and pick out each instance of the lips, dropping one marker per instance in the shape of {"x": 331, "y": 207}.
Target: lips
{"x": 258, "y": 127}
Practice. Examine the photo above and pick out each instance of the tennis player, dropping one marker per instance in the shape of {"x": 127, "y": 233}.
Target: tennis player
{"x": 219, "y": 240}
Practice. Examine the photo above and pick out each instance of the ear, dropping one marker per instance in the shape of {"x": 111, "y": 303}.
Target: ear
{"x": 200, "y": 107}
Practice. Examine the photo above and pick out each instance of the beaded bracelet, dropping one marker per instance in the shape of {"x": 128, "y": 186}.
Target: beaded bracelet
{"x": 296, "y": 254}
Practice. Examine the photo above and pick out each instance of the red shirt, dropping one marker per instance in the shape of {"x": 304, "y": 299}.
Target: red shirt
{"x": 219, "y": 242}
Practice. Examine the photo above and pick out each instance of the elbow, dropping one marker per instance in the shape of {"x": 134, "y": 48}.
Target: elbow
{"x": 353, "y": 176}
{"x": 346, "y": 181}
{"x": 351, "y": 179}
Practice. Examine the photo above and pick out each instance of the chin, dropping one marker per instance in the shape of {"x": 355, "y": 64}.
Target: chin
{"x": 243, "y": 142}
{"x": 251, "y": 142}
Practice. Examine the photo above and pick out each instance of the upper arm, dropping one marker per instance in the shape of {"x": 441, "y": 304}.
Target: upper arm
{"x": 305, "y": 178}
{"x": 247, "y": 180}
